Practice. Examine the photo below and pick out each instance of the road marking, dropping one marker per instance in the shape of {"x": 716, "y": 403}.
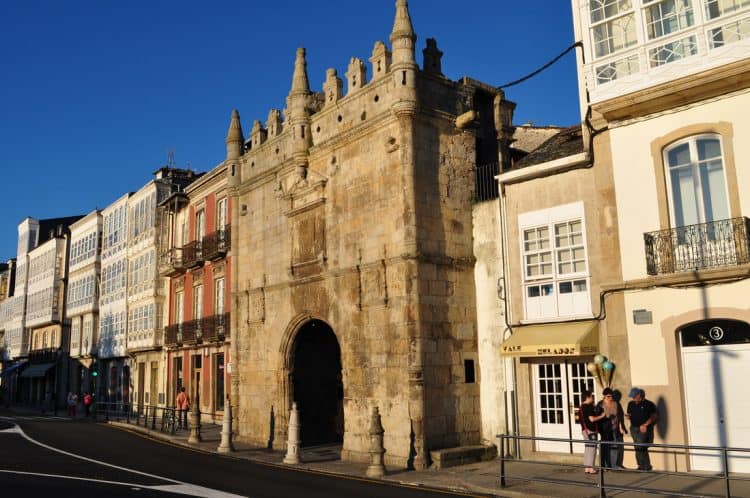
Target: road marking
{"x": 176, "y": 486}
{"x": 183, "y": 489}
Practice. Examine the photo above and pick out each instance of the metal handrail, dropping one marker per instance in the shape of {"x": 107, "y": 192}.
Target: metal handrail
{"x": 161, "y": 418}
{"x": 724, "y": 451}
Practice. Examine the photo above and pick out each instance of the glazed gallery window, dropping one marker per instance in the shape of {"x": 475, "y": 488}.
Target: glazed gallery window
{"x": 555, "y": 266}
{"x": 612, "y": 26}
{"x": 718, "y": 8}
{"x": 696, "y": 179}
{"x": 664, "y": 17}
{"x": 114, "y": 227}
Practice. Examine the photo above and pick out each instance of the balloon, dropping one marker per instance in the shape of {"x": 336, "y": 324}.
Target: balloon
{"x": 599, "y": 359}
{"x": 608, "y": 366}
{"x": 591, "y": 367}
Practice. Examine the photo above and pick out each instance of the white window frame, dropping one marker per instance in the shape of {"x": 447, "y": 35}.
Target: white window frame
{"x": 221, "y": 213}
{"x": 219, "y": 295}
{"x": 550, "y": 218}
{"x": 692, "y": 142}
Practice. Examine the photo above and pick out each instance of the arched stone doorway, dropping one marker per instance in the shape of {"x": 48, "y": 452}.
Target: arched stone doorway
{"x": 317, "y": 386}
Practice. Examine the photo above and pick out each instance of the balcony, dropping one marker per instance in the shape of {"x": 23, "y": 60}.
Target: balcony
{"x": 216, "y": 245}
{"x": 210, "y": 329}
{"x": 192, "y": 254}
{"x": 717, "y": 244}
{"x": 172, "y": 263}
{"x": 216, "y": 328}
{"x": 46, "y": 355}
{"x": 173, "y": 335}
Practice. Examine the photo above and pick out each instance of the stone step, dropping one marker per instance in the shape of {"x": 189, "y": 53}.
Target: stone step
{"x": 462, "y": 455}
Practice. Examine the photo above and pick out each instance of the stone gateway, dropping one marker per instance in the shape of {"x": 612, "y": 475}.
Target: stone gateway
{"x": 353, "y": 280}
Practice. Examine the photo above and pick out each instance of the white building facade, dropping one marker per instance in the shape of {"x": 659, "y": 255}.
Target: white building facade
{"x": 112, "y": 344}
{"x": 83, "y": 300}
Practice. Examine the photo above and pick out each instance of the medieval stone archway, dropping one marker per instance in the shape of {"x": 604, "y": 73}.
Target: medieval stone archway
{"x": 316, "y": 383}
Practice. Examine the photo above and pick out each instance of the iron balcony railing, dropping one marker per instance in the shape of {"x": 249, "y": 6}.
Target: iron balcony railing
{"x": 213, "y": 328}
{"x": 173, "y": 335}
{"x": 216, "y": 245}
{"x": 172, "y": 263}
{"x": 696, "y": 247}
{"x": 43, "y": 355}
{"x": 192, "y": 254}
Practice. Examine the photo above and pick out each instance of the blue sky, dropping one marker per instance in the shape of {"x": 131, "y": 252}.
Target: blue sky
{"x": 94, "y": 94}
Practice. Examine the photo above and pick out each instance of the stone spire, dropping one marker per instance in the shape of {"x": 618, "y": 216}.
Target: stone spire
{"x": 403, "y": 36}
{"x": 300, "y": 85}
{"x": 299, "y": 116}
{"x": 234, "y": 137}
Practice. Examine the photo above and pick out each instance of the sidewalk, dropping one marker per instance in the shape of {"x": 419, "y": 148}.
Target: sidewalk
{"x": 476, "y": 479}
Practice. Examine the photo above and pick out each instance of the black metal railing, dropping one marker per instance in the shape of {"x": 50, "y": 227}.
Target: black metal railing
{"x": 216, "y": 245}
{"x": 43, "y": 355}
{"x": 171, "y": 262}
{"x": 486, "y": 185}
{"x": 695, "y": 247}
{"x": 215, "y": 328}
{"x": 192, "y": 331}
{"x": 173, "y": 335}
{"x": 192, "y": 254}
{"x": 624, "y": 480}
{"x": 156, "y": 418}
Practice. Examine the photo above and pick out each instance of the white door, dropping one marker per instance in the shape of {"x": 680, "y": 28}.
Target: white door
{"x": 717, "y": 403}
{"x": 557, "y": 395}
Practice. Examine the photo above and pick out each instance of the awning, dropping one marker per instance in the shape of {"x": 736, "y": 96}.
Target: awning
{"x": 38, "y": 370}
{"x": 553, "y": 339}
{"x": 9, "y": 370}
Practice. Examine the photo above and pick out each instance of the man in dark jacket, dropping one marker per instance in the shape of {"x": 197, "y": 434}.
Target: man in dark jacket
{"x": 643, "y": 415}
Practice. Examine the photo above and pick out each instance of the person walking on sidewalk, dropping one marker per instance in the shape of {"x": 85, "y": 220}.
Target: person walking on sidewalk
{"x": 87, "y": 400}
{"x": 643, "y": 415}
{"x": 183, "y": 405}
{"x": 72, "y": 404}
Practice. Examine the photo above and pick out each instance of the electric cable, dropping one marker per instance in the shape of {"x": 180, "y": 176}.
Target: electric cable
{"x": 534, "y": 73}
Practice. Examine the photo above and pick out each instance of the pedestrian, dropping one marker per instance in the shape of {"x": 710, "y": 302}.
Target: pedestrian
{"x": 643, "y": 415}
{"x": 87, "y": 400}
{"x": 611, "y": 429}
{"x": 619, "y": 430}
{"x": 590, "y": 427}
{"x": 72, "y": 404}
{"x": 183, "y": 405}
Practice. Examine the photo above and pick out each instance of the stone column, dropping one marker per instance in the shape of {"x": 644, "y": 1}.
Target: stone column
{"x": 377, "y": 467}
{"x": 195, "y": 424}
{"x": 293, "y": 441}
{"x": 226, "y": 445}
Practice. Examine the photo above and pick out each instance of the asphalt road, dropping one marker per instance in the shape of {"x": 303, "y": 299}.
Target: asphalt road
{"x": 59, "y": 457}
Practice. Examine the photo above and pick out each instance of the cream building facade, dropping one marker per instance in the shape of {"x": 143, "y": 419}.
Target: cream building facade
{"x": 669, "y": 81}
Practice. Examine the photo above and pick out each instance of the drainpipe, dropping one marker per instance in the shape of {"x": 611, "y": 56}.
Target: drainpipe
{"x": 510, "y": 363}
